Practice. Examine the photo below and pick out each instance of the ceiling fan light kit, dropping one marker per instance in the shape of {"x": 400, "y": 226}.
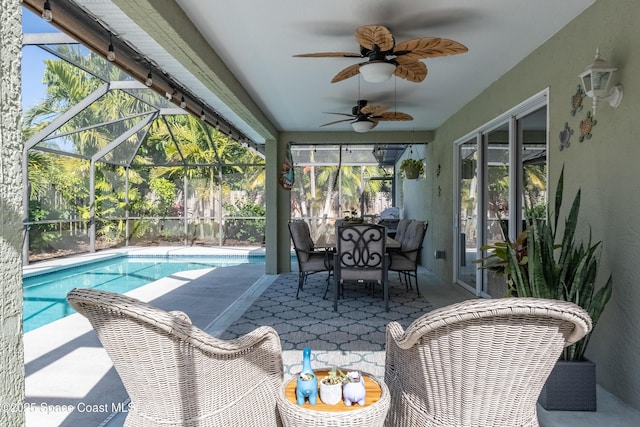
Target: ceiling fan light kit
{"x": 362, "y": 126}
{"x": 377, "y": 71}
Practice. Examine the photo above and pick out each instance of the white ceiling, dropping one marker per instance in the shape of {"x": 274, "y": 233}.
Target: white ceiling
{"x": 257, "y": 39}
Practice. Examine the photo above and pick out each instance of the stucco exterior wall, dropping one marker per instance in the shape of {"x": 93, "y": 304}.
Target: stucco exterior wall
{"x": 604, "y": 167}
{"x": 11, "y": 350}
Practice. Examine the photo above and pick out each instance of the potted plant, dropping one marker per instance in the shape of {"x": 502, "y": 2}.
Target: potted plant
{"x": 411, "y": 168}
{"x": 331, "y": 386}
{"x": 545, "y": 263}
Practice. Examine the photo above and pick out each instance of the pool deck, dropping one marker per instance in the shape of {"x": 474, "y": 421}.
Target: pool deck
{"x": 70, "y": 380}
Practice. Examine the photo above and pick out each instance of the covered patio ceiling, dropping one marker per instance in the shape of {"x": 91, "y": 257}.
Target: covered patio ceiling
{"x": 234, "y": 60}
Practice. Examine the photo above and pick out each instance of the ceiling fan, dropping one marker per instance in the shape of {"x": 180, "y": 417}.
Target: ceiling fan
{"x": 386, "y": 58}
{"x": 365, "y": 117}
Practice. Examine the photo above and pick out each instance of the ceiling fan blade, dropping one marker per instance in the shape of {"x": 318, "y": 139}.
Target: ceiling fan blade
{"x": 394, "y": 116}
{"x": 329, "y": 55}
{"x": 414, "y": 71}
{"x": 374, "y": 110}
{"x": 375, "y": 35}
{"x": 350, "y": 71}
{"x": 337, "y": 121}
{"x": 341, "y": 114}
{"x": 428, "y": 47}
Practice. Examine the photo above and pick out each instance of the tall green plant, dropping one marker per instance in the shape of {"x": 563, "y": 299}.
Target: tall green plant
{"x": 546, "y": 263}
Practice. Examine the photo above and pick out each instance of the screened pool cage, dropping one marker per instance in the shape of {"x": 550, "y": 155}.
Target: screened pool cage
{"x": 337, "y": 181}
{"x": 108, "y": 162}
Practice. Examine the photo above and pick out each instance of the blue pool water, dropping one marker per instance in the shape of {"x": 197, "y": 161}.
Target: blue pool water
{"x": 45, "y": 294}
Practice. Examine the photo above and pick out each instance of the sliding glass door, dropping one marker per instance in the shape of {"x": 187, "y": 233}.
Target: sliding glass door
{"x": 501, "y": 180}
{"x": 468, "y": 212}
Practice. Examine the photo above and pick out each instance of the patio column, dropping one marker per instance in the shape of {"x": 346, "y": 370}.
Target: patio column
{"x": 11, "y": 345}
{"x": 278, "y": 249}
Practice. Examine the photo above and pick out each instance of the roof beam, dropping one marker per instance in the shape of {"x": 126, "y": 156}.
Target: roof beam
{"x": 166, "y": 23}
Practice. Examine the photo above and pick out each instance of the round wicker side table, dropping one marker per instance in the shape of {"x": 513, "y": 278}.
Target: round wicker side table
{"x": 372, "y": 414}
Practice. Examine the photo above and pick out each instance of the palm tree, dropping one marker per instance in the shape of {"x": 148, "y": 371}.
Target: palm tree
{"x": 190, "y": 141}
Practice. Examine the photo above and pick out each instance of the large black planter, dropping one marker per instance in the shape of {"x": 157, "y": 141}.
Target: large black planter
{"x": 570, "y": 387}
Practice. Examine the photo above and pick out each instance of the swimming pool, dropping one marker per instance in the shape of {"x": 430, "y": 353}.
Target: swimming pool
{"x": 44, "y": 294}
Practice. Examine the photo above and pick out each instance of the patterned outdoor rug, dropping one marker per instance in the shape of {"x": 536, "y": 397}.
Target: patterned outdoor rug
{"x": 352, "y": 338}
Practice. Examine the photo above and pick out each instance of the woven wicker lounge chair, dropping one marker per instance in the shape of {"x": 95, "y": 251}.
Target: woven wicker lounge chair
{"x": 178, "y": 375}
{"x": 479, "y": 362}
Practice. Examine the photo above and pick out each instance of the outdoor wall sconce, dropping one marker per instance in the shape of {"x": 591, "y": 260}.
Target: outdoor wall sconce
{"x": 597, "y": 80}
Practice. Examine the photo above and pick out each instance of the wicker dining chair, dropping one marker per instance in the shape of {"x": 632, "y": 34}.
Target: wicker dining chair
{"x": 479, "y": 362}
{"x": 178, "y": 375}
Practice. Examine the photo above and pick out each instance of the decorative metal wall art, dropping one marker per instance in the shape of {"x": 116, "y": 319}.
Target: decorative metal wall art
{"x": 585, "y": 127}
{"x": 565, "y": 136}
{"x": 576, "y": 100}
{"x": 287, "y": 176}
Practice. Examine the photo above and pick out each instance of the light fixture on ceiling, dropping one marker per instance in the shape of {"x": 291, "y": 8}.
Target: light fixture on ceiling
{"x": 183, "y": 103}
{"x": 596, "y": 81}
{"x": 362, "y": 126}
{"x": 377, "y": 71}
{"x": 149, "y": 80}
{"x": 46, "y": 11}
{"x": 111, "y": 54}
{"x": 169, "y": 95}
{"x": 203, "y": 116}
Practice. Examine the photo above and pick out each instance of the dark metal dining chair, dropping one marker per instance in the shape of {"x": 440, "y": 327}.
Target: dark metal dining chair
{"x": 360, "y": 257}
{"x": 405, "y": 260}
{"x": 310, "y": 260}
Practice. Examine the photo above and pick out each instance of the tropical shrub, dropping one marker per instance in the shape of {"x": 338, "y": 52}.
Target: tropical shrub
{"x": 250, "y": 229}
{"x": 545, "y": 263}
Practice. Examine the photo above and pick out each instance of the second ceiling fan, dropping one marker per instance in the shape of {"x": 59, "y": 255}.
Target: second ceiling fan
{"x": 386, "y": 58}
{"x": 365, "y": 117}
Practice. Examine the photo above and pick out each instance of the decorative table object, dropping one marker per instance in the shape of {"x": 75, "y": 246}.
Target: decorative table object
{"x": 331, "y": 387}
{"x": 372, "y": 414}
{"x": 307, "y": 382}
{"x": 354, "y": 390}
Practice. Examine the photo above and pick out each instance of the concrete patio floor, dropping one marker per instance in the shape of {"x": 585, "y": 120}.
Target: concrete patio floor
{"x": 70, "y": 380}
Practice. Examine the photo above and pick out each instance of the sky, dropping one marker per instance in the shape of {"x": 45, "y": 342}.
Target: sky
{"x": 33, "y": 57}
